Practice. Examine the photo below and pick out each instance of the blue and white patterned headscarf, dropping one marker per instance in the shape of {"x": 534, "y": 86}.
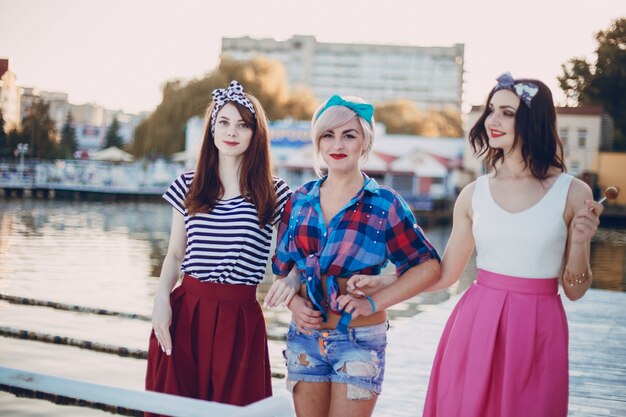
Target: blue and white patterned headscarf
{"x": 221, "y": 96}
{"x": 525, "y": 91}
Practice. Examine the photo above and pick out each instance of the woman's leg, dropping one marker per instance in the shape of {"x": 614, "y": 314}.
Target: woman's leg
{"x": 359, "y": 364}
{"x": 342, "y": 404}
{"x": 312, "y": 399}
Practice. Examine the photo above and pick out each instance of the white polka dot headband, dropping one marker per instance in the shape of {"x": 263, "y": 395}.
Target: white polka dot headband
{"x": 221, "y": 96}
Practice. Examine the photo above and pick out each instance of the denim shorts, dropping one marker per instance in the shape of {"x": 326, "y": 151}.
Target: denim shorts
{"x": 356, "y": 358}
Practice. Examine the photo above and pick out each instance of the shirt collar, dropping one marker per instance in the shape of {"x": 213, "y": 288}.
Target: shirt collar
{"x": 369, "y": 186}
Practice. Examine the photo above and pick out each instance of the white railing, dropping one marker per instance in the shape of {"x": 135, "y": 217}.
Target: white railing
{"x": 149, "y": 401}
{"x": 92, "y": 176}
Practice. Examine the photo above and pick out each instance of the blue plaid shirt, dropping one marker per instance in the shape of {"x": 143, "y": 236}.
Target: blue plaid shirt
{"x": 374, "y": 227}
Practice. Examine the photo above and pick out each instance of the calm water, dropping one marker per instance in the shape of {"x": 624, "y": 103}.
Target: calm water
{"x": 109, "y": 256}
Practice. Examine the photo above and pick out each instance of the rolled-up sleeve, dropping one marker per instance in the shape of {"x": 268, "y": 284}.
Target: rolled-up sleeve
{"x": 407, "y": 245}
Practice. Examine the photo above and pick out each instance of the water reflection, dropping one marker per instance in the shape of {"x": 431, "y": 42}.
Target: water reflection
{"x": 608, "y": 259}
{"x": 110, "y": 254}
{"x": 98, "y": 254}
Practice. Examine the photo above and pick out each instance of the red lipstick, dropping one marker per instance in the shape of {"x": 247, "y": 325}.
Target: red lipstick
{"x": 496, "y": 133}
{"x": 338, "y": 155}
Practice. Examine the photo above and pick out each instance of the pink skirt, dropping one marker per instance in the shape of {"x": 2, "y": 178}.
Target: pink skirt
{"x": 219, "y": 346}
{"x": 503, "y": 352}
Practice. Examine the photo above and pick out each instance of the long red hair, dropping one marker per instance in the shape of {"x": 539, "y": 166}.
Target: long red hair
{"x": 255, "y": 176}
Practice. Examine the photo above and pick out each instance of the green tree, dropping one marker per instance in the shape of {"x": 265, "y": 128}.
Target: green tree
{"x": 301, "y": 104}
{"x": 403, "y": 117}
{"x": 39, "y": 130}
{"x": 113, "y": 137}
{"x": 602, "y": 82}
{"x": 13, "y": 138}
{"x": 68, "y": 144}
{"x": 163, "y": 132}
{"x": 264, "y": 78}
{"x": 400, "y": 117}
{"x": 443, "y": 123}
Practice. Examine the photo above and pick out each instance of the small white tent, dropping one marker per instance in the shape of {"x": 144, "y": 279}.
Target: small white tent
{"x": 112, "y": 154}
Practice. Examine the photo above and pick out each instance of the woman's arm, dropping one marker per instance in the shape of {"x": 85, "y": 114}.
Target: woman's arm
{"x": 583, "y": 215}
{"x": 285, "y": 284}
{"x": 461, "y": 242}
{"x": 283, "y": 289}
{"x": 409, "y": 284}
{"x": 363, "y": 285}
{"x": 304, "y": 315}
{"x": 161, "y": 310}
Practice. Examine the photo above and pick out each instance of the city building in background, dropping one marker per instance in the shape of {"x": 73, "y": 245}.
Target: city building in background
{"x": 584, "y": 131}
{"x": 432, "y": 77}
{"x": 58, "y": 102}
{"x": 91, "y": 120}
{"x": 10, "y": 95}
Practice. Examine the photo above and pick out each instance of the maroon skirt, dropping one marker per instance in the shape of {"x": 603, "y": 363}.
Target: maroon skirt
{"x": 219, "y": 346}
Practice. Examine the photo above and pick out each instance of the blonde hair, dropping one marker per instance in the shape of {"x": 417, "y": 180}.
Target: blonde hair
{"x": 332, "y": 118}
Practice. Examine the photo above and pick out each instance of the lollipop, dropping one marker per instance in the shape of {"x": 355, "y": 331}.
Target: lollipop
{"x": 610, "y": 193}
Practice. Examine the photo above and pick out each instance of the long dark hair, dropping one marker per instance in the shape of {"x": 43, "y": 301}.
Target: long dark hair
{"x": 535, "y": 128}
{"x": 255, "y": 177}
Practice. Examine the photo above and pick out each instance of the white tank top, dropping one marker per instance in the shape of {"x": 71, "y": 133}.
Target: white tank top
{"x": 527, "y": 244}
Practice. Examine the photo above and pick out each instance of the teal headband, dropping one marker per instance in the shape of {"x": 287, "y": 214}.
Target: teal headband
{"x": 364, "y": 110}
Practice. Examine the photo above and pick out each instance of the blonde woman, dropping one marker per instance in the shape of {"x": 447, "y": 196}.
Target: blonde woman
{"x": 340, "y": 227}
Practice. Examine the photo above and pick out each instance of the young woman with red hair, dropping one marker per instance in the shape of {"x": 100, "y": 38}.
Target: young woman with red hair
{"x": 209, "y": 340}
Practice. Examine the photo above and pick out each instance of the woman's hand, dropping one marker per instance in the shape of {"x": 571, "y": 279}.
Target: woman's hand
{"x": 161, "y": 321}
{"x": 282, "y": 291}
{"x": 357, "y": 306}
{"x": 304, "y": 315}
{"x": 361, "y": 285}
{"x": 585, "y": 222}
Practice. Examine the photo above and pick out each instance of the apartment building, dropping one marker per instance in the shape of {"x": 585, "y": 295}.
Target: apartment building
{"x": 10, "y": 94}
{"x": 584, "y": 131}
{"x": 432, "y": 77}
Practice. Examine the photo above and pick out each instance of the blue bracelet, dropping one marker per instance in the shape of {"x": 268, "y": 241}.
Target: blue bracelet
{"x": 372, "y": 303}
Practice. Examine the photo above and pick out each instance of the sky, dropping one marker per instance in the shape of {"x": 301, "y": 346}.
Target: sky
{"x": 118, "y": 53}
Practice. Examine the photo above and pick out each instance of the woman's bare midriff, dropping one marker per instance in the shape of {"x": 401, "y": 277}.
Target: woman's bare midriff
{"x": 333, "y": 319}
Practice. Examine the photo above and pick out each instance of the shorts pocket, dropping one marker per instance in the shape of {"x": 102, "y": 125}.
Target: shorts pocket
{"x": 376, "y": 341}
{"x": 292, "y": 331}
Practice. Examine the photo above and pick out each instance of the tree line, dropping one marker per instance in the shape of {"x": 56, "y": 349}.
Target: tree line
{"x": 603, "y": 81}
{"x": 39, "y": 131}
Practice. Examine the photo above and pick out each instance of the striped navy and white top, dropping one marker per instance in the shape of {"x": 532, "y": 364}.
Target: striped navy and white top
{"x": 226, "y": 245}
